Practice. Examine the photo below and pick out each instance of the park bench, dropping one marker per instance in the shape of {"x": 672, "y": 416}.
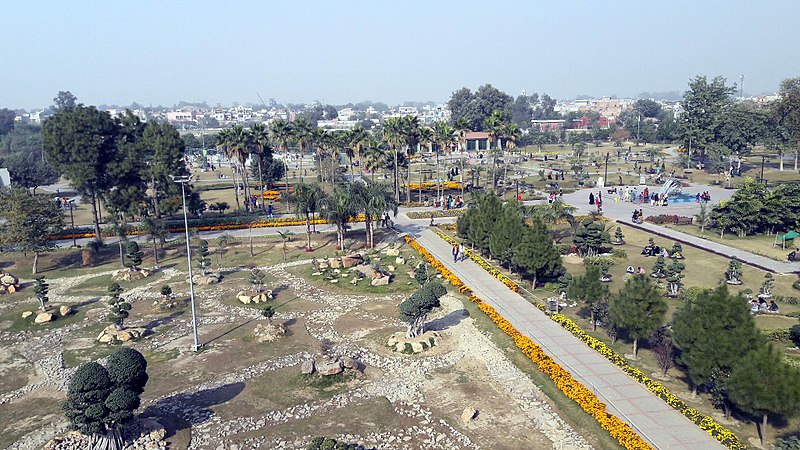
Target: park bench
{"x": 684, "y": 220}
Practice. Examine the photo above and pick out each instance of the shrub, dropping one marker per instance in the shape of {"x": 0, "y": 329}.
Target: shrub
{"x": 794, "y": 334}
{"x": 563, "y": 249}
{"x": 796, "y": 285}
{"x": 550, "y": 286}
{"x": 619, "y": 253}
{"x": 788, "y": 443}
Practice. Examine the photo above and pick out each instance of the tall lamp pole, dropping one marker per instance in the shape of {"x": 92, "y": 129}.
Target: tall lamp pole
{"x": 763, "y": 158}
{"x": 182, "y": 180}
{"x": 605, "y": 173}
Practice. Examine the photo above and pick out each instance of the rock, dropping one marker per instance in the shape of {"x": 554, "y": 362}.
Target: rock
{"x": 125, "y": 336}
{"x": 207, "y": 279}
{"x": 130, "y": 274}
{"x": 11, "y": 289}
{"x": 352, "y": 260}
{"x": 266, "y": 332}
{"x": 243, "y": 297}
{"x": 337, "y": 271}
{"x": 316, "y": 274}
{"x": 328, "y": 367}
{"x": 354, "y": 281}
{"x": 9, "y": 280}
{"x": 393, "y": 252}
{"x": 153, "y": 429}
{"x": 417, "y": 347}
{"x": 399, "y": 260}
{"x": 391, "y": 268}
{"x": 307, "y": 367}
{"x": 335, "y": 263}
{"x": 323, "y": 265}
{"x": 26, "y": 314}
{"x": 369, "y": 272}
{"x": 43, "y": 317}
{"x": 65, "y": 310}
{"x": 468, "y": 414}
{"x": 349, "y": 363}
{"x": 106, "y": 338}
{"x": 86, "y": 258}
{"x": 383, "y": 281}
{"x": 335, "y": 280}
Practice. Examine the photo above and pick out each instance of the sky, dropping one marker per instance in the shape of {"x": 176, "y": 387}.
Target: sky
{"x": 162, "y": 52}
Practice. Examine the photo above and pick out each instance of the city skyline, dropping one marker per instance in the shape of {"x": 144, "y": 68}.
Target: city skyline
{"x": 337, "y": 53}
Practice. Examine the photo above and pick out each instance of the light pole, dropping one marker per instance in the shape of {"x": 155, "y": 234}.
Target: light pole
{"x": 72, "y": 222}
{"x": 605, "y": 173}
{"x": 637, "y": 127}
{"x": 763, "y": 158}
{"x": 182, "y": 180}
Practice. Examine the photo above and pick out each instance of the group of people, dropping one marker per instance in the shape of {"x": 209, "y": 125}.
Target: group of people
{"x": 449, "y": 203}
{"x": 705, "y": 197}
{"x": 637, "y": 216}
{"x": 459, "y": 252}
{"x": 597, "y": 201}
{"x": 654, "y": 250}
{"x": 759, "y": 304}
{"x": 639, "y": 270}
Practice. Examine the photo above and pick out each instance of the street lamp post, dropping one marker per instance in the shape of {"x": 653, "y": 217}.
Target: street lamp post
{"x": 72, "y": 222}
{"x": 182, "y": 180}
{"x": 605, "y": 173}
{"x": 763, "y": 158}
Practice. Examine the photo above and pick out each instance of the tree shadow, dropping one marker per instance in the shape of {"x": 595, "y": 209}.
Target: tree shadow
{"x": 278, "y": 289}
{"x": 228, "y": 332}
{"x": 150, "y": 326}
{"x": 450, "y": 320}
{"x": 182, "y": 411}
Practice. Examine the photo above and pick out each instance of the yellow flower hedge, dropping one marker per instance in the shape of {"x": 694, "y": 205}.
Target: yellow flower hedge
{"x": 431, "y": 185}
{"x": 573, "y": 389}
{"x": 706, "y": 423}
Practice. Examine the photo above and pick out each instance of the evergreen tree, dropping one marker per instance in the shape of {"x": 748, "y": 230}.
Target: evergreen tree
{"x": 134, "y": 255}
{"x": 766, "y": 287}
{"x": 268, "y": 312}
{"x": 619, "y": 238}
{"x": 734, "y": 273}
{"x": 716, "y": 387}
{"x": 659, "y": 268}
{"x": 166, "y": 292}
{"x": 638, "y": 308}
{"x": 101, "y": 400}
{"x": 203, "y": 252}
{"x": 27, "y": 221}
{"x": 257, "y": 280}
{"x": 762, "y": 384}
{"x": 588, "y": 289}
{"x": 421, "y": 274}
{"x": 563, "y": 282}
{"x": 590, "y": 237}
{"x": 711, "y": 332}
{"x": 535, "y": 254}
{"x": 118, "y": 307}
{"x": 41, "y": 290}
{"x": 676, "y": 251}
{"x": 164, "y": 152}
{"x": 415, "y": 309}
{"x": 674, "y": 277}
{"x": 488, "y": 209}
{"x": 506, "y": 232}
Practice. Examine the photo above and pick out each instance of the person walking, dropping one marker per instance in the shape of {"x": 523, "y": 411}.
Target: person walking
{"x": 462, "y": 252}
{"x": 455, "y": 252}
{"x": 591, "y": 198}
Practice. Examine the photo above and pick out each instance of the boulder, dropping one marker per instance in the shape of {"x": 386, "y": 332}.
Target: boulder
{"x": 354, "y": 281}
{"x": 207, "y": 279}
{"x": 106, "y": 338}
{"x": 323, "y": 265}
{"x": 382, "y": 281}
{"x": 43, "y": 317}
{"x": 393, "y": 252}
{"x": 329, "y": 367}
{"x": 65, "y": 310}
{"x": 307, "y": 367}
{"x": 86, "y": 258}
{"x": 391, "y": 268}
{"x": 335, "y": 263}
{"x": 8, "y": 279}
{"x": 130, "y": 274}
{"x": 349, "y": 363}
{"x": 152, "y": 428}
{"x": 399, "y": 260}
{"x": 369, "y": 272}
{"x": 468, "y": 414}
{"x": 352, "y": 260}
{"x": 26, "y": 314}
{"x": 243, "y": 297}
{"x": 125, "y": 336}
{"x": 10, "y": 289}
{"x": 266, "y": 332}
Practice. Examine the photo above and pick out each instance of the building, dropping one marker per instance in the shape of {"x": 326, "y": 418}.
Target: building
{"x": 477, "y": 140}
{"x": 547, "y": 125}
{"x": 5, "y": 177}
{"x": 180, "y": 116}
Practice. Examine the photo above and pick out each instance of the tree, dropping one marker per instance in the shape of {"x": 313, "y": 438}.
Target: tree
{"x": 787, "y": 113}
{"x": 101, "y": 400}
{"x": 588, "y": 288}
{"x": 590, "y": 236}
{"x": 647, "y": 108}
{"x": 506, "y": 233}
{"x": 41, "y": 290}
{"x": 619, "y": 238}
{"x": 663, "y": 348}
{"x": 375, "y": 200}
{"x": 257, "y": 280}
{"x": 268, "y": 312}
{"x": 30, "y": 171}
{"x": 711, "y": 332}
{"x": 163, "y": 158}
{"x": 308, "y": 198}
{"x": 64, "y": 101}
{"x": 154, "y": 230}
{"x": 766, "y": 287}
{"x": 281, "y": 132}
{"x": 303, "y": 133}
{"x": 26, "y": 222}
{"x": 619, "y": 136}
{"x": 522, "y": 112}
{"x": 286, "y": 236}
{"x": 421, "y": 274}
{"x": 166, "y": 292}
{"x": 222, "y": 243}
{"x": 81, "y": 143}
{"x": 638, "y": 308}
{"x": 204, "y": 254}
{"x": 118, "y": 306}
{"x": 535, "y": 254}
{"x": 337, "y": 209}
{"x": 762, "y": 384}
{"x": 734, "y": 273}
{"x": 703, "y": 217}
{"x": 674, "y": 276}
{"x": 7, "y": 118}
{"x": 415, "y": 309}
{"x": 134, "y": 255}
{"x": 704, "y": 104}
{"x": 659, "y": 268}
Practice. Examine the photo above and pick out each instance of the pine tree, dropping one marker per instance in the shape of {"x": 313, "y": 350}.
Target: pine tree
{"x": 118, "y": 307}
{"x": 590, "y": 237}
{"x": 674, "y": 277}
{"x": 134, "y": 255}
{"x": 268, "y": 312}
{"x": 421, "y": 274}
{"x": 734, "y": 273}
{"x": 257, "y": 280}
{"x": 762, "y": 384}
{"x": 711, "y": 332}
{"x": 563, "y": 282}
{"x": 588, "y": 289}
{"x": 676, "y": 251}
{"x": 659, "y": 268}
{"x": 619, "y": 238}
{"x": 41, "y": 290}
{"x": 415, "y": 309}
{"x": 535, "y": 254}
{"x": 638, "y": 308}
{"x": 166, "y": 292}
{"x": 766, "y": 288}
{"x": 202, "y": 251}
{"x": 506, "y": 232}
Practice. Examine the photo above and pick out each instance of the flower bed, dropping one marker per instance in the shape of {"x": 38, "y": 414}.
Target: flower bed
{"x": 436, "y": 213}
{"x": 706, "y": 423}
{"x": 573, "y": 389}
{"x": 431, "y": 185}
{"x": 667, "y": 218}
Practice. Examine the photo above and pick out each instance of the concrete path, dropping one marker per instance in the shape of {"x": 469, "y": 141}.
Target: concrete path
{"x": 654, "y": 420}
{"x": 621, "y": 212}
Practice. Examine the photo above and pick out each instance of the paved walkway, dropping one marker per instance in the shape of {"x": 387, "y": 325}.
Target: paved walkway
{"x": 658, "y": 423}
{"x": 621, "y": 212}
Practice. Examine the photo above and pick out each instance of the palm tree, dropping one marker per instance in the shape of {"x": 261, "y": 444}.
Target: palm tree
{"x": 337, "y": 209}
{"x": 308, "y": 198}
{"x": 426, "y": 137}
{"x": 304, "y": 135}
{"x": 357, "y": 139}
{"x": 225, "y": 142}
{"x": 323, "y": 141}
{"x": 259, "y": 137}
{"x": 374, "y": 156}
{"x": 394, "y": 137}
{"x": 462, "y": 128}
{"x": 238, "y": 151}
{"x": 411, "y": 136}
{"x": 495, "y": 125}
{"x": 379, "y": 200}
{"x": 281, "y": 132}
{"x": 444, "y": 139}
{"x": 539, "y": 139}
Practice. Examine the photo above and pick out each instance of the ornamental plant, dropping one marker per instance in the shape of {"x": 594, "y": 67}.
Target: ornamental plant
{"x": 134, "y": 255}
{"x": 203, "y": 252}
{"x": 118, "y": 307}
{"x": 619, "y": 238}
{"x": 638, "y": 308}
{"x": 734, "y": 273}
{"x": 659, "y": 268}
{"x": 415, "y": 309}
{"x": 41, "y": 290}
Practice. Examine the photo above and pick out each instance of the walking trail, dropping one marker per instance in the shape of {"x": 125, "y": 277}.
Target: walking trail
{"x": 657, "y": 422}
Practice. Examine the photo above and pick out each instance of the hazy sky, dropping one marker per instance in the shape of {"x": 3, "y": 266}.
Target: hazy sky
{"x": 161, "y": 52}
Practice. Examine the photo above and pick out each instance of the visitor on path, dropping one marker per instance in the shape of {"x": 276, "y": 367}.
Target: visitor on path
{"x": 591, "y": 198}
{"x": 271, "y": 211}
{"x": 431, "y": 219}
{"x": 455, "y": 252}
{"x": 462, "y": 252}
